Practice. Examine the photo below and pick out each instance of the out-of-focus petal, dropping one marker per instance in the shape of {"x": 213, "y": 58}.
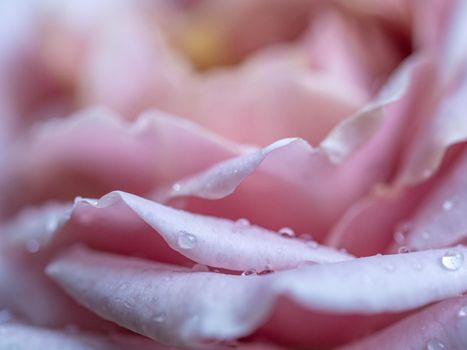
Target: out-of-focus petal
{"x": 273, "y": 95}
{"x": 363, "y": 150}
{"x": 216, "y": 307}
{"x": 95, "y": 151}
{"x": 22, "y": 261}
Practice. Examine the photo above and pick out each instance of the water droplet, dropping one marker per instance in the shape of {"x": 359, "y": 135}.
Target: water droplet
{"x": 435, "y": 344}
{"x": 186, "y": 240}
{"x": 404, "y": 250}
{"x": 32, "y": 246}
{"x": 462, "y": 312}
{"x": 176, "y": 187}
{"x": 159, "y": 317}
{"x": 448, "y": 205}
{"x": 286, "y": 232}
{"x": 452, "y": 260}
{"x": 312, "y": 244}
{"x": 5, "y": 316}
{"x": 242, "y": 222}
{"x": 200, "y": 268}
{"x": 235, "y": 171}
{"x": 267, "y": 270}
{"x": 249, "y": 272}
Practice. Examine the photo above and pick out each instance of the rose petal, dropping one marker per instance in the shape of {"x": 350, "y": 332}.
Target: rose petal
{"x": 95, "y": 151}
{"x": 372, "y": 224}
{"x": 277, "y": 95}
{"x": 223, "y": 243}
{"x": 446, "y": 127}
{"x": 24, "y": 337}
{"x": 442, "y": 326}
{"x": 365, "y": 150}
{"x": 22, "y": 261}
{"x": 151, "y": 298}
{"x": 440, "y": 219}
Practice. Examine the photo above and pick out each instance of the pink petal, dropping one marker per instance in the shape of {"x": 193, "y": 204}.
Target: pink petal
{"x": 442, "y": 326}
{"x": 223, "y": 243}
{"x": 95, "y": 151}
{"x": 440, "y": 219}
{"x": 277, "y": 95}
{"x": 290, "y": 174}
{"x": 129, "y": 67}
{"x": 151, "y": 298}
{"x": 355, "y": 46}
{"x": 24, "y": 337}
{"x": 22, "y": 261}
{"x": 442, "y": 123}
{"x": 370, "y": 225}
{"x": 446, "y": 127}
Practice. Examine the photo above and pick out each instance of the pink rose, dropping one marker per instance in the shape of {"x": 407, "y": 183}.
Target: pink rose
{"x": 271, "y": 174}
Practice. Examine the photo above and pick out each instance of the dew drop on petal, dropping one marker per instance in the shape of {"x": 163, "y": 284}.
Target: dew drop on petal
{"x": 267, "y": 270}
{"x": 286, "y": 232}
{"x": 32, "y": 246}
{"x": 5, "y": 316}
{"x": 404, "y": 250}
{"x": 435, "y": 344}
{"x": 176, "y": 187}
{"x": 242, "y": 222}
{"x": 452, "y": 260}
{"x": 249, "y": 272}
{"x": 186, "y": 240}
{"x": 462, "y": 312}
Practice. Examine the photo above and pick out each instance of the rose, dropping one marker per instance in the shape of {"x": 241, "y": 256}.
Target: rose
{"x": 193, "y": 277}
